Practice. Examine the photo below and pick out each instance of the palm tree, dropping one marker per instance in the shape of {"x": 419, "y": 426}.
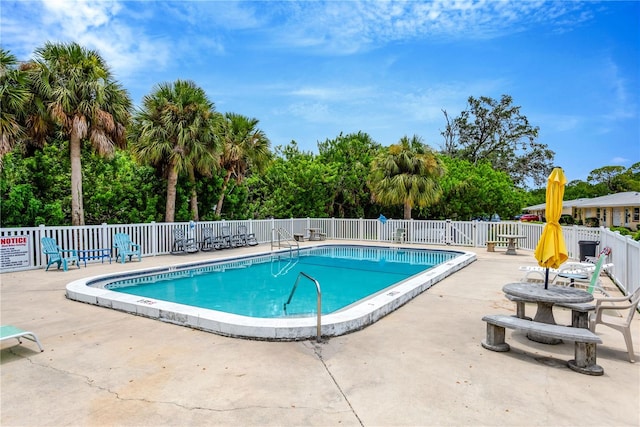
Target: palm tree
{"x": 75, "y": 92}
{"x": 174, "y": 132}
{"x": 244, "y": 147}
{"x": 14, "y": 99}
{"x": 407, "y": 174}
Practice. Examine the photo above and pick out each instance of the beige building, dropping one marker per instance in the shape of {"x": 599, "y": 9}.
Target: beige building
{"x": 613, "y": 210}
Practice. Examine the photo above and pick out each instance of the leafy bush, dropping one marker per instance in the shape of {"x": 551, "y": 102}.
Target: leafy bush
{"x": 622, "y": 230}
{"x": 592, "y": 222}
{"x": 567, "y": 220}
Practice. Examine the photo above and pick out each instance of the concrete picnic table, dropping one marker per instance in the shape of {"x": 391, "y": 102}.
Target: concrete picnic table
{"x": 511, "y": 242}
{"x": 545, "y": 299}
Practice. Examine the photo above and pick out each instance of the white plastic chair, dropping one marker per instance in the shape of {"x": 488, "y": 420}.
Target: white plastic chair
{"x": 627, "y": 307}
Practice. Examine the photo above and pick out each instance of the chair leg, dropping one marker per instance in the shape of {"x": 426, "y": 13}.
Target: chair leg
{"x": 627, "y": 340}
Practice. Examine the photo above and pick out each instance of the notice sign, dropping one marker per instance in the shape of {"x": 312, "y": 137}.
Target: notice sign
{"x": 14, "y": 252}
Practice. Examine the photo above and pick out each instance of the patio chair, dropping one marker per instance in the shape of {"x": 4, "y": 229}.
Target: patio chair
{"x": 626, "y": 307}
{"x": 55, "y": 255}
{"x": 182, "y": 244}
{"x": 125, "y": 247}
{"x": 206, "y": 244}
{"x": 243, "y": 238}
{"x": 9, "y": 331}
{"x": 400, "y": 236}
{"x": 223, "y": 240}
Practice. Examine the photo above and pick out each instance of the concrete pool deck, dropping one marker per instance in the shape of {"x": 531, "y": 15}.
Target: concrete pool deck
{"x": 420, "y": 365}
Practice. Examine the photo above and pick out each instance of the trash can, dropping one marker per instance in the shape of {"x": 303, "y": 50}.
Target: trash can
{"x": 587, "y": 249}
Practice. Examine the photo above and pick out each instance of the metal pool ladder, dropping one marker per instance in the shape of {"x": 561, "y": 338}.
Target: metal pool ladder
{"x": 284, "y": 238}
{"x": 318, "y": 298}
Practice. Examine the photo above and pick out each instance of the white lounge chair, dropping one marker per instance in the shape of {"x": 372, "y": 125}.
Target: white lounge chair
{"x": 568, "y": 267}
{"x": 9, "y": 331}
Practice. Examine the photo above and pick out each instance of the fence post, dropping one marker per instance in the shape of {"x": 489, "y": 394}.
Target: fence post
{"x": 154, "y": 238}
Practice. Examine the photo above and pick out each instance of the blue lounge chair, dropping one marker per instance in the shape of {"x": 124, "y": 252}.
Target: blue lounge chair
{"x": 58, "y": 256}
{"x": 125, "y": 247}
{"x": 8, "y": 332}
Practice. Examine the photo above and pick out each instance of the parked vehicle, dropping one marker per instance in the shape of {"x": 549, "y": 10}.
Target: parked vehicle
{"x": 529, "y": 217}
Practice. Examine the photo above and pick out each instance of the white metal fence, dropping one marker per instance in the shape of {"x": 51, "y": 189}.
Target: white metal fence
{"x": 157, "y": 238}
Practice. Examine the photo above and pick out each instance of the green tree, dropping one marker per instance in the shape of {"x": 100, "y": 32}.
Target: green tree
{"x": 174, "y": 132}
{"x": 406, "y": 174}
{"x": 295, "y": 184}
{"x": 75, "y": 90}
{"x": 14, "y": 99}
{"x": 34, "y": 189}
{"x": 473, "y": 190}
{"x": 352, "y": 155}
{"x": 496, "y": 131}
{"x": 244, "y": 147}
{"x": 616, "y": 179}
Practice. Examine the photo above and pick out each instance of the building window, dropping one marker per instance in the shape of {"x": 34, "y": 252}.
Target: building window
{"x": 636, "y": 214}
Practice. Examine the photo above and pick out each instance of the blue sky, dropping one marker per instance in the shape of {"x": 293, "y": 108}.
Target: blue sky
{"x": 311, "y": 70}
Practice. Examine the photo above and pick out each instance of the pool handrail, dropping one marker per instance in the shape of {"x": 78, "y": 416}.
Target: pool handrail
{"x": 318, "y": 302}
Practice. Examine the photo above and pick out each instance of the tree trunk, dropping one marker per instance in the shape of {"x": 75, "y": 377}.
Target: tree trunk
{"x": 77, "y": 207}
{"x": 193, "y": 201}
{"x": 172, "y": 182}
{"x": 222, "y": 192}
{"x": 407, "y": 209}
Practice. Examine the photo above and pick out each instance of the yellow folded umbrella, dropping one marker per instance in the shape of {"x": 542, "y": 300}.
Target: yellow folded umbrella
{"x": 551, "y": 251}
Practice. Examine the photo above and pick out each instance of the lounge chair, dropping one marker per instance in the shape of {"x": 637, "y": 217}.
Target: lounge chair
{"x": 183, "y": 244}
{"x": 9, "y": 331}
{"x": 206, "y": 244}
{"x": 125, "y": 247}
{"x": 568, "y": 267}
{"x": 628, "y": 305}
{"x": 58, "y": 256}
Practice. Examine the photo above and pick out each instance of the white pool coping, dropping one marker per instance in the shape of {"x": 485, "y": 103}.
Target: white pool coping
{"x": 352, "y": 318}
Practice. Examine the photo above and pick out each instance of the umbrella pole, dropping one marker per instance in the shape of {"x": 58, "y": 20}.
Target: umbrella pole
{"x": 546, "y": 278}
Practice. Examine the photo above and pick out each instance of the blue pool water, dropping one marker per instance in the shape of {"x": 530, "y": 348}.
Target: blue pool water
{"x": 259, "y": 286}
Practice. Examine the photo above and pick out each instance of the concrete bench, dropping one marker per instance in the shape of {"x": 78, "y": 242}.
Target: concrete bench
{"x": 579, "y": 313}
{"x": 585, "y": 340}
{"x": 491, "y": 244}
{"x": 299, "y": 237}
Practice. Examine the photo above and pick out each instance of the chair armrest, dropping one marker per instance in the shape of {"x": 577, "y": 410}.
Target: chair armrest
{"x": 608, "y": 303}
{"x": 71, "y": 251}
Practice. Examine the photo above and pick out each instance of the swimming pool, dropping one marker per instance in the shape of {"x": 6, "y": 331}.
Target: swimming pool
{"x": 391, "y": 275}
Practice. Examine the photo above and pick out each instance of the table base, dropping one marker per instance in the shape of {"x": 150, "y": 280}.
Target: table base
{"x": 542, "y": 339}
{"x": 544, "y": 315}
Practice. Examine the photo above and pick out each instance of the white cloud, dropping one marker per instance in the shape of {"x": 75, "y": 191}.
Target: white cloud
{"x": 95, "y": 25}
{"x": 350, "y": 26}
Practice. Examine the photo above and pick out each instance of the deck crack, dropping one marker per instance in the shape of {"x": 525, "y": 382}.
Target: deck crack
{"x": 317, "y": 349}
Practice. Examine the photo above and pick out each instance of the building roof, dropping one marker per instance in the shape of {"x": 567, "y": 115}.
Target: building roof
{"x": 629, "y": 198}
